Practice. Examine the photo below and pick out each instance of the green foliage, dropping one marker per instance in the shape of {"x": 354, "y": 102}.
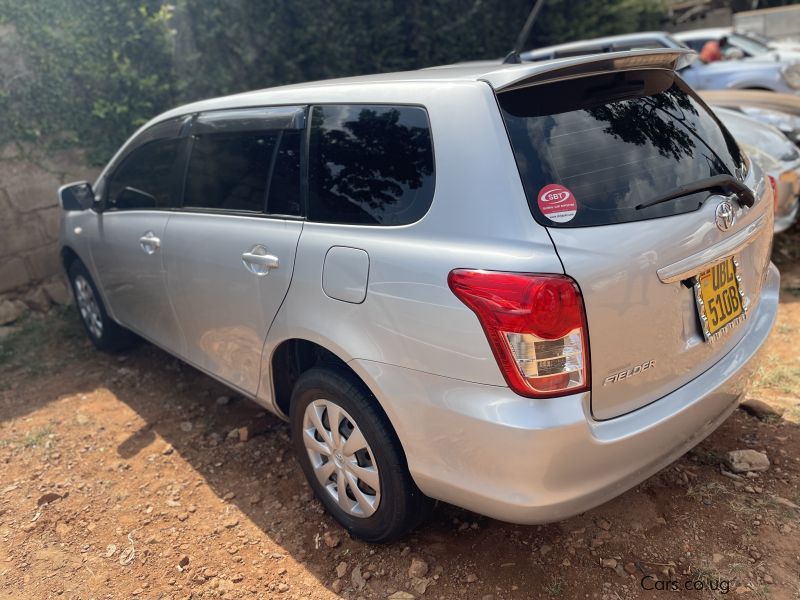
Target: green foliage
{"x": 239, "y": 45}
{"x": 570, "y": 20}
{"x": 94, "y": 70}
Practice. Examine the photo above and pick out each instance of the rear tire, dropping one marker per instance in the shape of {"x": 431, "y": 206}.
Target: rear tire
{"x": 380, "y": 501}
{"x": 105, "y": 333}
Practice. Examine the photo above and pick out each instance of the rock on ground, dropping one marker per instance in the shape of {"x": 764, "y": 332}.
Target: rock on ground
{"x": 742, "y": 461}
{"x": 10, "y": 311}
{"x": 760, "y": 409}
{"x": 418, "y": 568}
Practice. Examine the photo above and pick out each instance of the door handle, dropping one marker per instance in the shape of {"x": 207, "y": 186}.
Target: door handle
{"x": 258, "y": 260}
{"x": 149, "y": 242}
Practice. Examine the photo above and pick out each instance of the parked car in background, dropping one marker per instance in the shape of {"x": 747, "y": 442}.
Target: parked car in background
{"x": 724, "y": 74}
{"x": 521, "y": 289}
{"x": 735, "y": 45}
{"x": 777, "y": 156}
{"x": 777, "y": 23}
{"x": 780, "y": 45}
{"x": 613, "y": 43}
{"x": 779, "y": 110}
{"x": 785, "y": 103}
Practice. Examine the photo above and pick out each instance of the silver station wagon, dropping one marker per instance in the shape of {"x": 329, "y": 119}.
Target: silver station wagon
{"x": 520, "y": 289}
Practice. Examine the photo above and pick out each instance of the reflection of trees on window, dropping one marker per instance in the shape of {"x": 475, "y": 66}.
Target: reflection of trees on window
{"x": 657, "y": 121}
{"x": 666, "y": 122}
{"x": 369, "y": 164}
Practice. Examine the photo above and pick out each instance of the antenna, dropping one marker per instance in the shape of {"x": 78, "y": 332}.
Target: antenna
{"x": 513, "y": 57}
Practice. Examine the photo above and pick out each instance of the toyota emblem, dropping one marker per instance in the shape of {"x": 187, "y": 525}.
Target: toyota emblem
{"x": 724, "y": 216}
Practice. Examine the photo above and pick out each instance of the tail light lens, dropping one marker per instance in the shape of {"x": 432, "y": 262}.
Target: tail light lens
{"x": 774, "y": 185}
{"x": 536, "y": 327}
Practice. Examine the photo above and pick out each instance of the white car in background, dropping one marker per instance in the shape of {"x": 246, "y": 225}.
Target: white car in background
{"x": 737, "y": 45}
{"x": 775, "y": 154}
{"x": 783, "y": 45}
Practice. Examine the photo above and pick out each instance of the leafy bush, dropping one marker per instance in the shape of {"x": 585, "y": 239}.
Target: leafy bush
{"x": 92, "y": 71}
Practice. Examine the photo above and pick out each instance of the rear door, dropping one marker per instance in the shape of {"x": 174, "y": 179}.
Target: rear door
{"x": 595, "y": 154}
{"x": 232, "y": 245}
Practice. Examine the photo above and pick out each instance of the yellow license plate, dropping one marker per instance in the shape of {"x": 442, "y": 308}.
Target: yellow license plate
{"x": 719, "y": 298}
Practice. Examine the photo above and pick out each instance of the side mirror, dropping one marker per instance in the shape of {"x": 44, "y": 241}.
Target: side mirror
{"x": 76, "y": 196}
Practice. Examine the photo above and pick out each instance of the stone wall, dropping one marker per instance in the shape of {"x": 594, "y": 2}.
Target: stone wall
{"x": 30, "y": 214}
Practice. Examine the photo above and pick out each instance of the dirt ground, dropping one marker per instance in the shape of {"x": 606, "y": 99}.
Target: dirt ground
{"x": 125, "y": 477}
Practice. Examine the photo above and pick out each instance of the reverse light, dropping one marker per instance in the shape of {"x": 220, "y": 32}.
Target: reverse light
{"x": 536, "y": 327}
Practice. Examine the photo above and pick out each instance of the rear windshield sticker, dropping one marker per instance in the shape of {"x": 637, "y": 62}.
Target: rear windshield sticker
{"x": 557, "y": 203}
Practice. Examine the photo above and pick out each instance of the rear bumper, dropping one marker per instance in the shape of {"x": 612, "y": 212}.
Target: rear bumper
{"x": 523, "y": 460}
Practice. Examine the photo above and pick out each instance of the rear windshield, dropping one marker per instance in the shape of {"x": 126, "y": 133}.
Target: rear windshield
{"x": 592, "y": 150}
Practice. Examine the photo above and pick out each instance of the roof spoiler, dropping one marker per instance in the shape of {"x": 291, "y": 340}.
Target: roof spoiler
{"x": 513, "y": 77}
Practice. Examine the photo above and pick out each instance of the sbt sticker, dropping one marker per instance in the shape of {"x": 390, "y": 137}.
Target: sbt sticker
{"x": 557, "y": 203}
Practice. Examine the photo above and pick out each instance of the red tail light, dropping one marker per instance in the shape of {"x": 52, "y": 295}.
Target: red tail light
{"x": 774, "y": 185}
{"x": 536, "y": 326}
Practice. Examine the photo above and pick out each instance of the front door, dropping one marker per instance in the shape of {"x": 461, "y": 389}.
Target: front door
{"x": 127, "y": 253}
{"x": 128, "y": 245}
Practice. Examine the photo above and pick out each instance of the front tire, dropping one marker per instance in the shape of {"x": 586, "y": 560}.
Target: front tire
{"x": 352, "y": 457}
{"x": 105, "y": 333}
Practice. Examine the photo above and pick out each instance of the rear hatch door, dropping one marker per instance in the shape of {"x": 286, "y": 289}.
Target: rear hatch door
{"x": 596, "y": 154}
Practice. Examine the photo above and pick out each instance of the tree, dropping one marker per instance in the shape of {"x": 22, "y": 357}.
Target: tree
{"x": 93, "y": 71}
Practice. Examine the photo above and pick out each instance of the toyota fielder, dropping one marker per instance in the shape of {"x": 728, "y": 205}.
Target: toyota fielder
{"x": 521, "y": 289}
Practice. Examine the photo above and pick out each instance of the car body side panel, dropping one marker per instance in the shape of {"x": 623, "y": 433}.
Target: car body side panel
{"x": 224, "y": 309}
{"x": 133, "y": 279}
{"x": 76, "y": 231}
{"x": 409, "y": 316}
{"x": 736, "y": 75}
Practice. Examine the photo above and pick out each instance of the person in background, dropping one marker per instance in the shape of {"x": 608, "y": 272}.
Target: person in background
{"x": 711, "y": 52}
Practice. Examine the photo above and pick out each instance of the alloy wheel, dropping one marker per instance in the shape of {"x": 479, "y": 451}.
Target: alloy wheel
{"x": 88, "y": 307}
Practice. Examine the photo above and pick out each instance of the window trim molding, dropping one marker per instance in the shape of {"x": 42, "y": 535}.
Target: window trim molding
{"x": 263, "y": 211}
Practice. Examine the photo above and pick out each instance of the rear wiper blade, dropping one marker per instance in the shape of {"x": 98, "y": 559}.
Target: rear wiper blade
{"x": 723, "y": 183}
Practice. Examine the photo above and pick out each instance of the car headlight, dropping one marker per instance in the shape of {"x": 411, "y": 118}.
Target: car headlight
{"x": 791, "y": 75}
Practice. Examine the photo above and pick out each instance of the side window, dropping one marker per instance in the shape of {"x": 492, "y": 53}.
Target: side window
{"x": 229, "y": 170}
{"x": 146, "y": 177}
{"x": 696, "y": 45}
{"x": 284, "y": 187}
{"x": 369, "y": 164}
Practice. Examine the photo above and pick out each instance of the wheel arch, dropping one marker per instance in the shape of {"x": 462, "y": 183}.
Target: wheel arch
{"x": 69, "y": 256}
{"x": 293, "y": 356}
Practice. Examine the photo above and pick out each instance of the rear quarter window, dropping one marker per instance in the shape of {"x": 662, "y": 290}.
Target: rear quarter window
{"x": 369, "y": 164}
{"x": 612, "y": 143}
